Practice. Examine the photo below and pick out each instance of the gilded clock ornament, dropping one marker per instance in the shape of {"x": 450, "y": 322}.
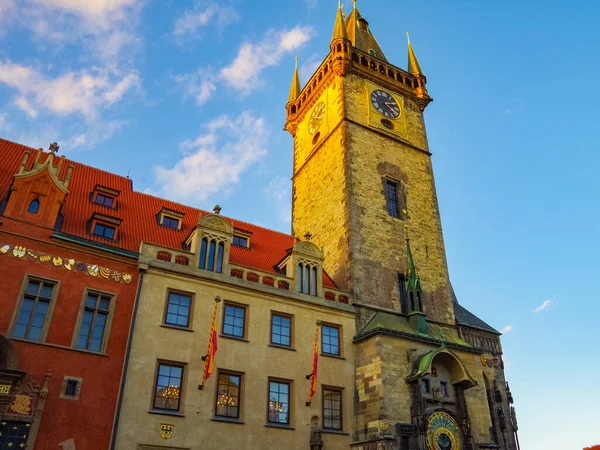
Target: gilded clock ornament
{"x": 385, "y": 103}
{"x": 316, "y": 118}
{"x": 443, "y": 433}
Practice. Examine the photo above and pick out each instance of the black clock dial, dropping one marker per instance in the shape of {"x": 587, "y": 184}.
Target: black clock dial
{"x": 385, "y": 104}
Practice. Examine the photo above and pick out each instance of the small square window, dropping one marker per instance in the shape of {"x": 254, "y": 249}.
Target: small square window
{"x": 229, "y": 387}
{"x": 178, "y": 310}
{"x": 104, "y": 200}
{"x": 281, "y": 330}
{"x": 240, "y": 241}
{"x": 234, "y": 321}
{"x": 104, "y": 231}
{"x": 425, "y": 387}
{"x": 330, "y": 340}
{"x": 71, "y": 387}
{"x": 167, "y": 391}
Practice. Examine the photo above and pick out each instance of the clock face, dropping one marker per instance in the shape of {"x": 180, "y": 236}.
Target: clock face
{"x": 316, "y": 118}
{"x": 385, "y": 104}
{"x": 443, "y": 432}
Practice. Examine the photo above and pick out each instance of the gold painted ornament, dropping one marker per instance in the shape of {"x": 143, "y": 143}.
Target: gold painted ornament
{"x": 166, "y": 430}
{"x": 5, "y": 248}
{"x": 443, "y": 432}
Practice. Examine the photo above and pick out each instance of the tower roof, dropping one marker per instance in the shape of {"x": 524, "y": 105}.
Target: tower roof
{"x": 360, "y": 34}
{"x": 296, "y": 87}
{"x": 413, "y": 63}
{"x": 339, "y": 29}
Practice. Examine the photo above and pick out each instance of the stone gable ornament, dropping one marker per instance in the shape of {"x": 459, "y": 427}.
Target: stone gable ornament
{"x": 53, "y": 148}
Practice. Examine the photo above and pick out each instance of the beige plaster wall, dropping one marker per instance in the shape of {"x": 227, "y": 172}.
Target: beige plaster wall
{"x": 195, "y": 428}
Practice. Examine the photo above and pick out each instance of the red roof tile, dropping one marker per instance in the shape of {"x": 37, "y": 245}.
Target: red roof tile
{"x": 138, "y": 212}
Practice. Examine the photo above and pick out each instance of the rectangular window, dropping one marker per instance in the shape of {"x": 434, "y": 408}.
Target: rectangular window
{"x": 332, "y": 409}
{"x": 228, "y": 395}
{"x": 279, "y": 402}
{"x": 103, "y": 230}
{"x": 404, "y": 443}
{"x": 234, "y": 321}
{"x": 425, "y": 389}
{"x": 330, "y": 340}
{"x": 71, "y": 388}
{"x": 94, "y": 322}
{"x": 178, "y": 309}
{"x": 33, "y": 311}
{"x": 391, "y": 195}
{"x": 167, "y": 391}
{"x": 240, "y": 241}
{"x": 444, "y": 388}
{"x": 104, "y": 200}
{"x": 281, "y": 330}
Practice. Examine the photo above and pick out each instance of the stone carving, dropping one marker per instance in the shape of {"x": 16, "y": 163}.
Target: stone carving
{"x": 308, "y": 248}
{"x": 216, "y": 224}
{"x": 316, "y": 440}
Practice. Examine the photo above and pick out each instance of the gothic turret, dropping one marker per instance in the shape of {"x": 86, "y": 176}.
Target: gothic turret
{"x": 339, "y": 29}
{"x": 415, "y": 69}
{"x": 296, "y": 87}
{"x": 360, "y": 34}
{"x": 412, "y": 287}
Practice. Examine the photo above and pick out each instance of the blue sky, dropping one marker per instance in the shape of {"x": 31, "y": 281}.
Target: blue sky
{"x": 188, "y": 98}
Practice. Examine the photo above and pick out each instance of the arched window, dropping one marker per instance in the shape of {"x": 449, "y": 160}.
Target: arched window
{"x": 419, "y": 302}
{"x": 34, "y": 206}
{"x": 307, "y": 279}
{"x": 300, "y": 277}
{"x": 211, "y": 255}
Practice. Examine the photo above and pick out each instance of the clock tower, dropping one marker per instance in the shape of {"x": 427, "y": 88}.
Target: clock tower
{"x": 362, "y": 171}
{"x": 429, "y": 374}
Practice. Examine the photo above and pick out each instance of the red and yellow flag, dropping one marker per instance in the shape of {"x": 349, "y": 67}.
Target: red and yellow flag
{"x": 313, "y": 378}
{"x": 209, "y": 359}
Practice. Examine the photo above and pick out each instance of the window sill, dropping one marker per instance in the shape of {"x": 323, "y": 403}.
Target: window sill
{"x": 227, "y": 420}
{"x": 279, "y": 426}
{"x": 64, "y": 347}
{"x": 283, "y": 347}
{"x": 175, "y": 327}
{"x": 162, "y": 412}
{"x": 327, "y": 355}
{"x": 234, "y": 338}
{"x": 340, "y": 432}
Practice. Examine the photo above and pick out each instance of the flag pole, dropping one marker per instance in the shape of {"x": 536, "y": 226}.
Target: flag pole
{"x": 209, "y": 358}
{"x": 313, "y": 375}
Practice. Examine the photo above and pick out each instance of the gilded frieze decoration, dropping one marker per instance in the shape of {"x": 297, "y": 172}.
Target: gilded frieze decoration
{"x": 72, "y": 265}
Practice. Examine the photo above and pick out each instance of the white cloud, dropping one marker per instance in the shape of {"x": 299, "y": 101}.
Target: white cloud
{"x": 84, "y": 92}
{"x": 193, "y": 20}
{"x": 244, "y": 72}
{"x": 279, "y": 192}
{"x": 545, "y": 305}
{"x": 107, "y": 26}
{"x": 309, "y": 66}
{"x": 200, "y": 85}
{"x": 215, "y": 160}
{"x": 507, "y": 329}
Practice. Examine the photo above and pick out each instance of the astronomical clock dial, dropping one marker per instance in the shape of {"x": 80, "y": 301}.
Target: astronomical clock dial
{"x": 316, "y": 118}
{"x": 385, "y": 104}
{"x": 443, "y": 432}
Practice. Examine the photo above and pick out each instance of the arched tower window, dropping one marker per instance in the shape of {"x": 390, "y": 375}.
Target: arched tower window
{"x": 34, "y": 206}
{"x": 307, "y": 279}
{"x": 211, "y": 255}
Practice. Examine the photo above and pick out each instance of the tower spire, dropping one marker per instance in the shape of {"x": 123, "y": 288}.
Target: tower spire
{"x": 413, "y": 63}
{"x": 296, "y": 87}
{"x": 339, "y": 30}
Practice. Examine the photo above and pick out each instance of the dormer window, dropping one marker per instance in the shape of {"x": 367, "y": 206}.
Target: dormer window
{"x": 34, "y": 206}
{"x": 307, "y": 279}
{"x": 104, "y": 196}
{"x": 211, "y": 255}
{"x": 240, "y": 241}
{"x": 104, "y": 200}
{"x": 103, "y": 230}
{"x": 104, "y": 227}
{"x": 170, "y": 219}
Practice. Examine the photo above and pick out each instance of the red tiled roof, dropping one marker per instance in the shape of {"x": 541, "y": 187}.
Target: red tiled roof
{"x": 138, "y": 212}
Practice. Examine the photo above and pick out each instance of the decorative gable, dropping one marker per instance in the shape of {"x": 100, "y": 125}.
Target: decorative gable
{"x": 38, "y": 191}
